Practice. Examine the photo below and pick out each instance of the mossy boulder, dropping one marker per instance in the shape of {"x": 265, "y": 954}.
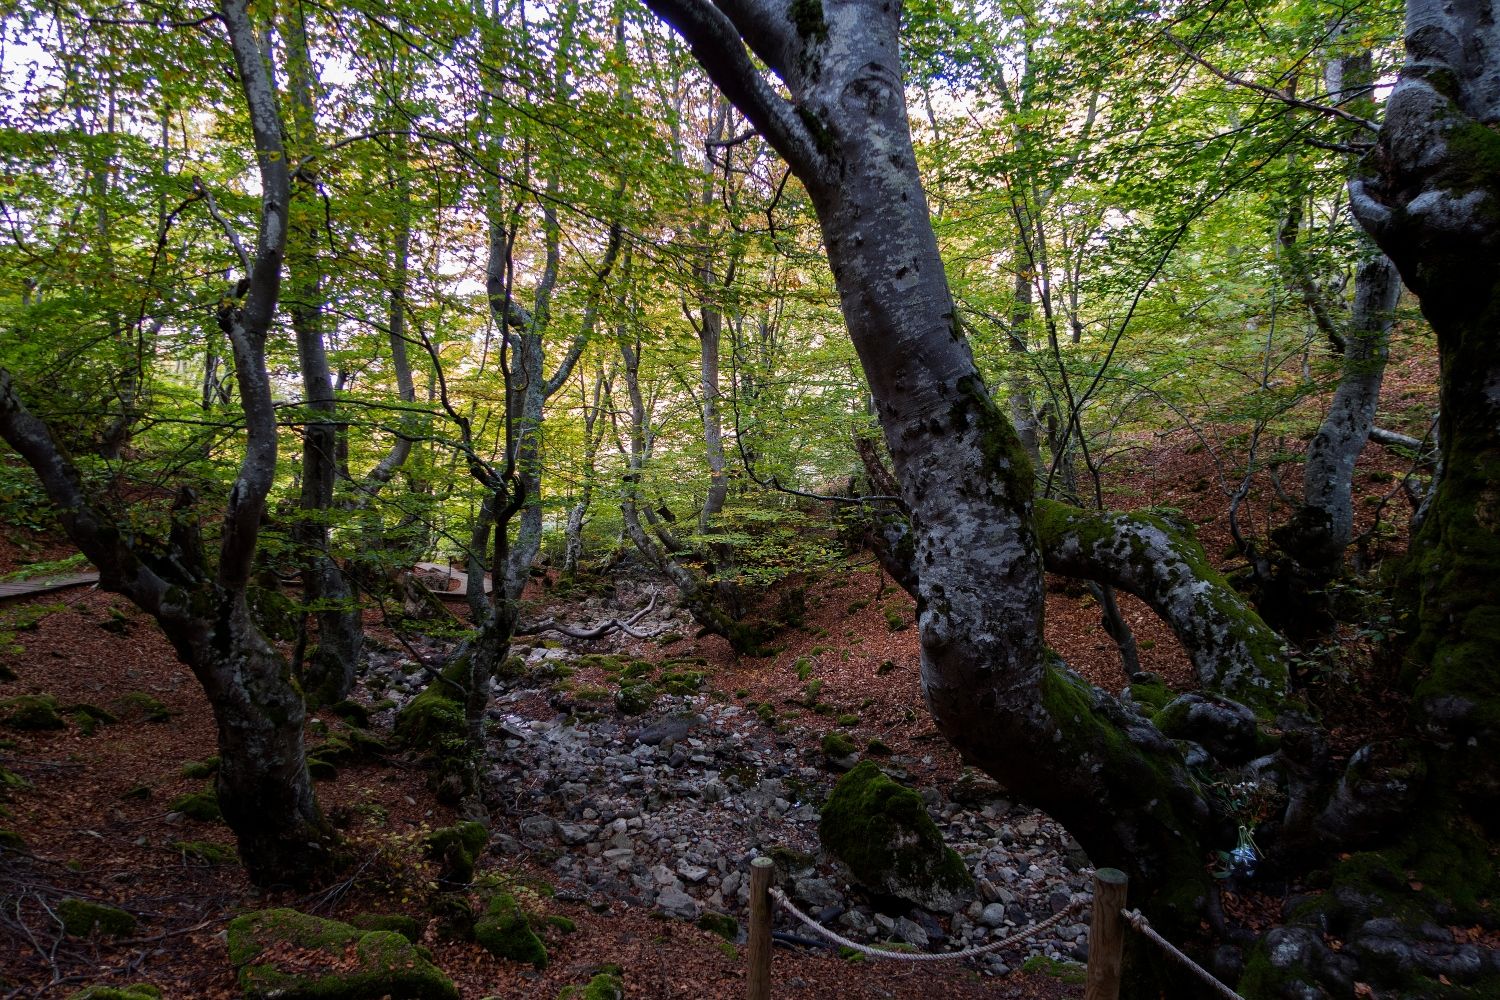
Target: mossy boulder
{"x": 433, "y": 724}
{"x": 31, "y": 712}
{"x": 604, "y": 986}
{"x": 635, "y": 698}
{"x": 138, "y": 991}
{"x": 140, "y": 705}
{"x": 202, "y": 806}
{"x": 840, "y": 751}
{"x": 454, "y": 848}
{"x": 721, "y": 924}
{"x": 880, "y": 830}
{"x": 80, "y": 918}
{"x": 293, "y": 956}
{"x": 408, "y": 927}
{"x": 505, "y": 932}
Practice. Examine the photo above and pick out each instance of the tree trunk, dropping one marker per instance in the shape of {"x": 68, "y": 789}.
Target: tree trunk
{"x": 263, "y": 786}
{"x": 1103, "y": 771}
{"x": 1431, "y": 206}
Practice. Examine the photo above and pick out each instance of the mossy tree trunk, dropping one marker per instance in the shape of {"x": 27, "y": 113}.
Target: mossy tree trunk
{"x": 1091, "y": 761}
{"x": 264, "y": 789}
{"x": 1433, "y": 205}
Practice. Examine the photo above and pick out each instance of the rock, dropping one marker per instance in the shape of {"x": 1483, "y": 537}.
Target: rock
{"x": 333, "y": 960}
{"x": 911, "y": 932}
{"x": 539, "y": 829}
{"x": 693, "y": 873}
{"x": 816, "y": 892}
{"x": 880, "y": 830}
{"x": 505, "y": 932}
{"x": 454, "y": 848}
{"x": 80, "y": 918}
{"x": 671, "y": 729}
{"x": 993, "y": 915}
{"x": 676, "y": 903}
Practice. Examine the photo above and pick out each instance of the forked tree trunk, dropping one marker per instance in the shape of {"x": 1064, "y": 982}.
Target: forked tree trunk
{"x": 1106, "y": 773}
{"x": 263, "y": 786}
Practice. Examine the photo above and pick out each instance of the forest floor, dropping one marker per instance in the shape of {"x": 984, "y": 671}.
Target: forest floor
{"x": 96, "y": 821}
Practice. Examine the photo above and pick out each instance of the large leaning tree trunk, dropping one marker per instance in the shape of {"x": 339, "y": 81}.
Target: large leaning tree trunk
{"x": 1094, "y": 763}
{"x": 263, "y": 785}
{"x": 1433, "y": 205}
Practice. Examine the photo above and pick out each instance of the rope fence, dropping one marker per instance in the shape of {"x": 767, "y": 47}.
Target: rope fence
{"x": 919, "y": 956}
{"x": 1106, "y": 936}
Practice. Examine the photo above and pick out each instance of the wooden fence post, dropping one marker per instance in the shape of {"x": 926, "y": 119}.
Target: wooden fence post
{"x": 1106, "y": 935}
{"x": 758, "y": 950}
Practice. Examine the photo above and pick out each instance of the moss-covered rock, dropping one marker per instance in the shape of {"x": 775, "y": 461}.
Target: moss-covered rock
{"x": 635, "y": 698}
{"x": 433, "y": 724}
{"x": 80, "y": 918}
{"x": 10, "y": 840}
{"x": 137, "y": 991}
{"x": 293, "y": 956}
{"x": 604, "y": 986}
{"x": 140, "y": 705}
{"x": 408, "y": 927}
{"x": 206, "y": 852}
{"x": 881, "y": 831}
{"x": 505, "y": 932}
{"x": 721, "y": 924}
{"x": 201, "y": 768}
{"x": 31, "y": 712}
{"x": 202, "y": 806}
{"x": 454, "y": 848}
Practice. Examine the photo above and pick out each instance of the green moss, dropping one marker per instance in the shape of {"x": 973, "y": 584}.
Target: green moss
{"x": 604, "y": 986}
{"x": 807, "y": 15}
{"x": 804, "y": 668}
{"x": 1004, "y": 455}
{"x": 31, "y": 712}
{"x": 505, "y": 932}
{"x": 435, "y": 725}
{"x": 206, "y": 851}
{"x": 80, "y": 918}
{"x": 10, "y": 840}
{"x": 138, "y": 991}
{"x": 635, "y": 698}
{"x": 456, "y": 847}
{"x": 721, "y": 924}
{"x": 895, "y": 620}
{"x": 880, "y": 829}
{"x": 1067, "y": 972}
{"x": 351, "y": 712}
{"x": 202, "y": 806}
{"x": 562, "y": 923}
{"x": 201, "y": 768}
{"x": 682, "y": 682}
{"x": 328, "y": 960}
{"x": 878, "y": 748}
{"x": 407, "y": 927}
{"x": 836, "y": 744}
{"x": 10, "y": 780}
{"x": 140, "y": 705}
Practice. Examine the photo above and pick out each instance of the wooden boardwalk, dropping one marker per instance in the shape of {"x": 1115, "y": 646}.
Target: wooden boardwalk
{"x": 42, "y": 584}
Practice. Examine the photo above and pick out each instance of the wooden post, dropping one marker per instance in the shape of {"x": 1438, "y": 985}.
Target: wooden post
{"x": 1106, "y": 935}
{"x": 758, "y": 950}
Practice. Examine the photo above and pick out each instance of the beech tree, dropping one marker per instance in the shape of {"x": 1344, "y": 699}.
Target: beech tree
{"x": 979, "y": 538}
{"x": 263, "y": 786}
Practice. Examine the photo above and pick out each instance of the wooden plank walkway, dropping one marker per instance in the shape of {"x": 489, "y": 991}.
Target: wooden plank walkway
{"x": 42, "y": 584}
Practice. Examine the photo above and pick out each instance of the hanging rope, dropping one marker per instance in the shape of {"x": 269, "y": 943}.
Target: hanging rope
{"x": 1138, "y": 921}
{"x": 946, "y": 956}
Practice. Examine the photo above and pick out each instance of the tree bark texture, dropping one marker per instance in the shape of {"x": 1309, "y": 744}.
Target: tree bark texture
{"x": 1433, "y": 205}
{"x": 263, "y": 787}
{"x": 1101, "y": 769}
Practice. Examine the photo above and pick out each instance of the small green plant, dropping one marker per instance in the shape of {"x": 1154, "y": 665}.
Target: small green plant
{"x": 895, "y": 620}
{"x": 804, "y": 668}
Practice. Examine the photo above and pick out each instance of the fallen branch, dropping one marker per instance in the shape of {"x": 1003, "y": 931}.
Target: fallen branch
{"x": 598, "y": 631}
